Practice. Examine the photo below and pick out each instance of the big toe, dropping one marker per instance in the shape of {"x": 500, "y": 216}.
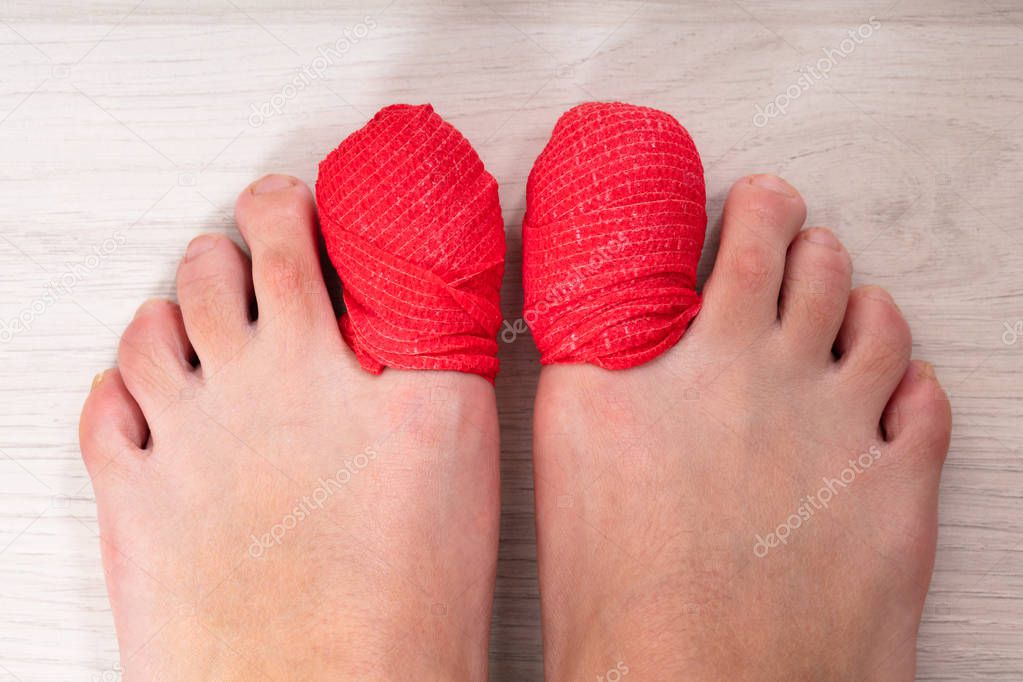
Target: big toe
{"x": 614, "y": 225}
{"x": 412, "y": 222}
{"x": 215, "y": 291}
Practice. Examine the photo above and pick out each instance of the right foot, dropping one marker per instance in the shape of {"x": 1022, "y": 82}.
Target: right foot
{"x": 275, "y": 512}
{"x": 663, "y": 491}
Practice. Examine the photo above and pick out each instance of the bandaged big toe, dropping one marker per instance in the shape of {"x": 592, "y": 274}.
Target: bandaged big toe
{"x": 615, "y": 222}
{"x": 412, "y": 224}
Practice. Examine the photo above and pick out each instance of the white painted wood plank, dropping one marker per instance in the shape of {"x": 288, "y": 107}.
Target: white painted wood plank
{"x": 134, "y": 122}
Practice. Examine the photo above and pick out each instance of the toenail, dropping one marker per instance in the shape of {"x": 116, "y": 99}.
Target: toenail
{"x": 97, "y": 380}
{"x": 773, "y": 183}
{"x": 926, "y": 371}
{"x": 822, "y": 237}
{"x": 199, "y": 246}
{"x": 146, "y": 305}
{"x": 272, "y": 183}
{"x": 879, "y": 294}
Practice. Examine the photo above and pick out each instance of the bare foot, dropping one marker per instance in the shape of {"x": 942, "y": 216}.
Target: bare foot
{"x": 275, "y": 512}
{"x": 758, "y": 503}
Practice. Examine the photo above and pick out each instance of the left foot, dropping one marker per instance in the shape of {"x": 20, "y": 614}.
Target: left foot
{"x": 275, "y": 511}
{"x": 760, "y": 501}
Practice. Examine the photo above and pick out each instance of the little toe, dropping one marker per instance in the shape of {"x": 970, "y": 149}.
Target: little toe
{"x": 112, "y": 425}
{"x": 215, "y": 290}
{"x": 155, "y": 357}
{"x": 277, "y": 218}
{"x": 918, "y": 419}
{"x": 818, "y": 276}
{"x": 761, "y": 216}
{"x": 873, "y": 344}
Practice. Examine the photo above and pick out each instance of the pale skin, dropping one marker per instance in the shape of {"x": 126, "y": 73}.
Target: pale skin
{"x": 270, "y": 510}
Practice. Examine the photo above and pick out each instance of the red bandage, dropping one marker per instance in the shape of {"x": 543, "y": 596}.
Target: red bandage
{"x": 614, "y": 226}
{"x": 413, "y": 226}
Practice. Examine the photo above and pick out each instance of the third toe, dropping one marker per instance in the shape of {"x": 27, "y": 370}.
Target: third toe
{"x": 873, "y": 344}
{"x": 214, "y": 284}
{"x": 155, "y": 356}
{"x": 818, "y": 276}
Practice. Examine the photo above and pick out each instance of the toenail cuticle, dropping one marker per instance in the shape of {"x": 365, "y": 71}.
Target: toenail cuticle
{"x": 889, "y": 300}
{"x": 272, "y": 183}
{"x": 773, "y": 184}
{"x": 199, "y": 246}
{"x": 822, "y": 237}
{"x": 878, "y": 294}
{"x": 146, "y": 305}
{"x": 926, "y": 371}
{"x": 97, "y": 380}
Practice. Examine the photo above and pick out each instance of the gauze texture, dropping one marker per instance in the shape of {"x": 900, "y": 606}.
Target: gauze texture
{"x": 614, "y": 226}
{"x": 413, "y": 225}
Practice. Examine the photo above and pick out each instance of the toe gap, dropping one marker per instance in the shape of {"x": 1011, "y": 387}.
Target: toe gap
{"x": 331, "y": 279}
{"x": 883, "y": 432}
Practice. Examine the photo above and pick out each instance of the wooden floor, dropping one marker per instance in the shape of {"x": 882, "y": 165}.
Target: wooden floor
{"x": 129, "y": 127}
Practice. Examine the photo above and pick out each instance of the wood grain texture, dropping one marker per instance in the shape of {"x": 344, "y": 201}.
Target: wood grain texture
{"x": 129, "y": 127}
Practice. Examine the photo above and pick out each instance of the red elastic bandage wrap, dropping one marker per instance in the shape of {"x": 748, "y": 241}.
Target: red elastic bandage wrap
{"x": 412, "y": 223}
{"x": 615, "y": 222}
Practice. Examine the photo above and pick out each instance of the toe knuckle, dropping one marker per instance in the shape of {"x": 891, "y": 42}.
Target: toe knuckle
{"x": 283, "y": 273}
{"x": 884, "y": 357}
{"x": 139, "y": 358}
{"x": 137, "y": 339}
{"x": 206, "y": 296}
{"x": 213, "y": 306}
{"x": 893, "y": 330}
{"x": 753, "y": 266}
{"x": 148, "y": 320}
{"x": 820, "y": 303}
